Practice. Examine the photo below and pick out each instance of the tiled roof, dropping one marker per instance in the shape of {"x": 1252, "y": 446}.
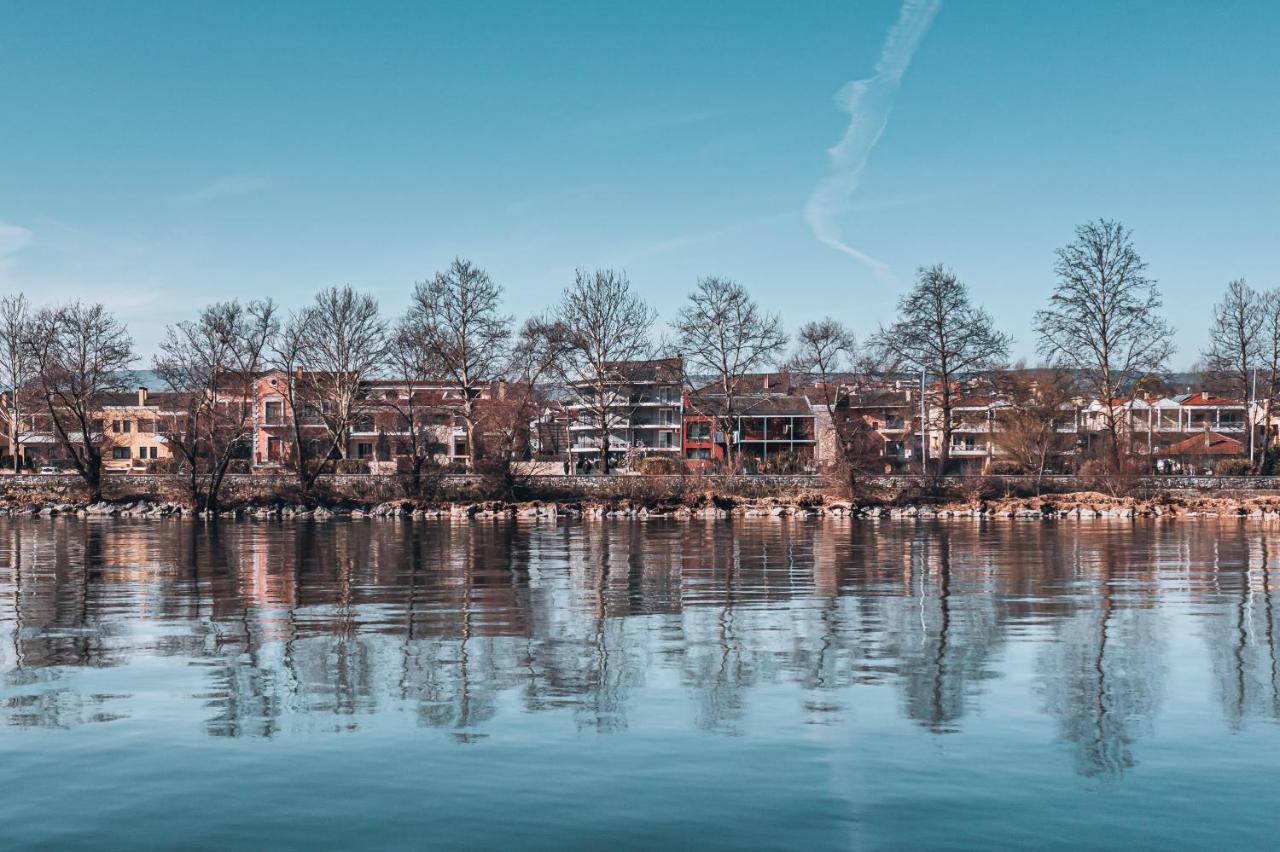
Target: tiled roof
{"x": 1205, "y": 444}
{"x": 1202, "y": 398}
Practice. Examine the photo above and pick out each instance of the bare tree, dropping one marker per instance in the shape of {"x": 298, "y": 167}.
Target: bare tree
{"x": 1028, "y": 428}
{"x": 212, "y": 366}
{"x": 825, "y": 351}
{"x": 1236, "y": 338}
{"x": 940, "y": 332}
{"x": 287, "y": 358}
{"x": 334, "y": 345}
{"x": 1270, "y": 357}
{"x": 606, "y": 324}
{"x": 17, "y": 369}
{"x": 459, "y": 319}
{"x": 415, "y": 363}
{"x": 1236, "y": 342}
{"x": 723, "y": 333}
{"x": 1103, "y": 319}
{"x": 80, "y": 353}
{"x": 504, "y": 422}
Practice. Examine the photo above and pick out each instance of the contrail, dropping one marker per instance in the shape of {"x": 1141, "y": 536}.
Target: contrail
{"x": 868, "y": 103}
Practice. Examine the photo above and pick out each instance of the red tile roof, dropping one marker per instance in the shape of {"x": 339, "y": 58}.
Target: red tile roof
{"x": 1205, "y": 444}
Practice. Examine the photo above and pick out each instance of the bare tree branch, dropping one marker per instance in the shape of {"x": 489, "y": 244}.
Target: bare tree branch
{"x": 1103, "y": 319}
{"x": 723, "y": 333}
{"x": 607, "y": 324}
{"x": 941, "y": 332}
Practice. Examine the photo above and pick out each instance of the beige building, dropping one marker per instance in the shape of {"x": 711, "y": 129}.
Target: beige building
{"x": 132, "y": 425}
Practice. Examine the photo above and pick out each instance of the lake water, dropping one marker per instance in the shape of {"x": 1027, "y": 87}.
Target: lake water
{"x": 817, "y": 684}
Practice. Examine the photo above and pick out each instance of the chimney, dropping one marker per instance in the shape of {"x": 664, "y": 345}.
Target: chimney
{"x": 502, "y": 388}
{"x": 142, "y": 395}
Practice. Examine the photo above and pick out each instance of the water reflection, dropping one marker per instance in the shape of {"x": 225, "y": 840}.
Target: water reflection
{"x": 323, "y": 627}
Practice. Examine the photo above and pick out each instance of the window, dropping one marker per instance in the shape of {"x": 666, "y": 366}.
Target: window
{"x": 667, "y": 395}
{"x": 142, "y": 452}
{"x": 155, "y": 452}
{"x": 115, "y": 426}
{"x": 146, "y": 426}
{"x": 664, "y": 440}
{"x": 700, "y": 453}
{"x": 128, "y": 426}
{"x": 364, "y": 450}
{"x": 120, "y": 452}
{"x": 274, "y": 414}
{"x": 665, "y": 417}
{"x": 699, "y": 431}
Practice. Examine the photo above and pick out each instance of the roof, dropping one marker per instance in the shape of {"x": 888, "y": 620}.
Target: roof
{"x": 1203, "y": 398}
{"x": 754, "y": 406}
{"x": 1205, "y": 444}
{"x": 669, "y": 370}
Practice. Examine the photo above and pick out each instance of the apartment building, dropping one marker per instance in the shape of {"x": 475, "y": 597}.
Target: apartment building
{"x": 773, "y": 427}
{"x": 379, "y": 433}
{"x": 647, "y": 412}
{"x": 134, "y": 425}
{"x": 131, "y": 427}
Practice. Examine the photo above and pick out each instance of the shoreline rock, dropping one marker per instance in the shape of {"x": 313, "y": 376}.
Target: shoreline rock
{"x": 1082, "y": 505}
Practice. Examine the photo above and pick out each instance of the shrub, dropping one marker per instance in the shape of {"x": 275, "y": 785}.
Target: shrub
{"x": 238, "y": 466}
{"x": 659, "y": 465}
{"x": 1234, "y": 467}
{"x": 169, "y": 465}
{"x": 352, "y": 466}
{"x": 1005, "y": 467}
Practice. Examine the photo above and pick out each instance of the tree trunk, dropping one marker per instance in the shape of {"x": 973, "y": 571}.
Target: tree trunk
{"x": 604, "y": 434}
{"x": 944, "y": 452}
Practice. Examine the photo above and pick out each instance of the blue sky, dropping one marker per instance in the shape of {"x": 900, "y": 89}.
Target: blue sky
{"x": 158, "y": 156}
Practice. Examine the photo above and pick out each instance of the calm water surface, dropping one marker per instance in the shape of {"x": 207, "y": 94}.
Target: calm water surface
{"x": 770, "y": 684}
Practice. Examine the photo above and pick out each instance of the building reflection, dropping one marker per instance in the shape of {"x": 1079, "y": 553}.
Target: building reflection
{"x": 324, "y": 626}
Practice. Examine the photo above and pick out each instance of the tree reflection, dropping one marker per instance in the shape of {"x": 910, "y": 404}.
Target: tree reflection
{"x": 1241, "y": 631}
{"x": 1102, "y": 675}
{"x": 271, "y": 627}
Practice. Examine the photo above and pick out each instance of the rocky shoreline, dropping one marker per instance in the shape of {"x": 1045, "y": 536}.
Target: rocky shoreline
{"x": 1077, "y": 505}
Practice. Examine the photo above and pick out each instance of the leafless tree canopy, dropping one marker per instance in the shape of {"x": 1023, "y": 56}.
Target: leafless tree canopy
{"x": 458, "y": 316}
{"x": 939, "y": 331}
{"x": 1236, "y": 340}
{"x": 17, "y": 369}
{"x": 1029, "y": 426}
{"x": 212, "y": 364}
{"x": 80, "y": 353}
{"x": 538, "y": 350}
{"x": 825, "y": 350}
{"x": 722, "y": 332}
{"x": 1103, "y": 319}
{"x": 412, "y": 360}
{"x": 326, "y": 351}
{"x": 605, "y": 323}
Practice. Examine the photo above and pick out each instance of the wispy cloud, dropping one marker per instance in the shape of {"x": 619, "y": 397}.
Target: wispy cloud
{"x": 868, "y": 103}
{"x": 639, "y": 121}
{"x": 226, "y": 187}
{"x": 13, "y": 239}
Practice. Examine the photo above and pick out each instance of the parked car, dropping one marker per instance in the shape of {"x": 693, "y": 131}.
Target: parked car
{"x": 50, "y": 470}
